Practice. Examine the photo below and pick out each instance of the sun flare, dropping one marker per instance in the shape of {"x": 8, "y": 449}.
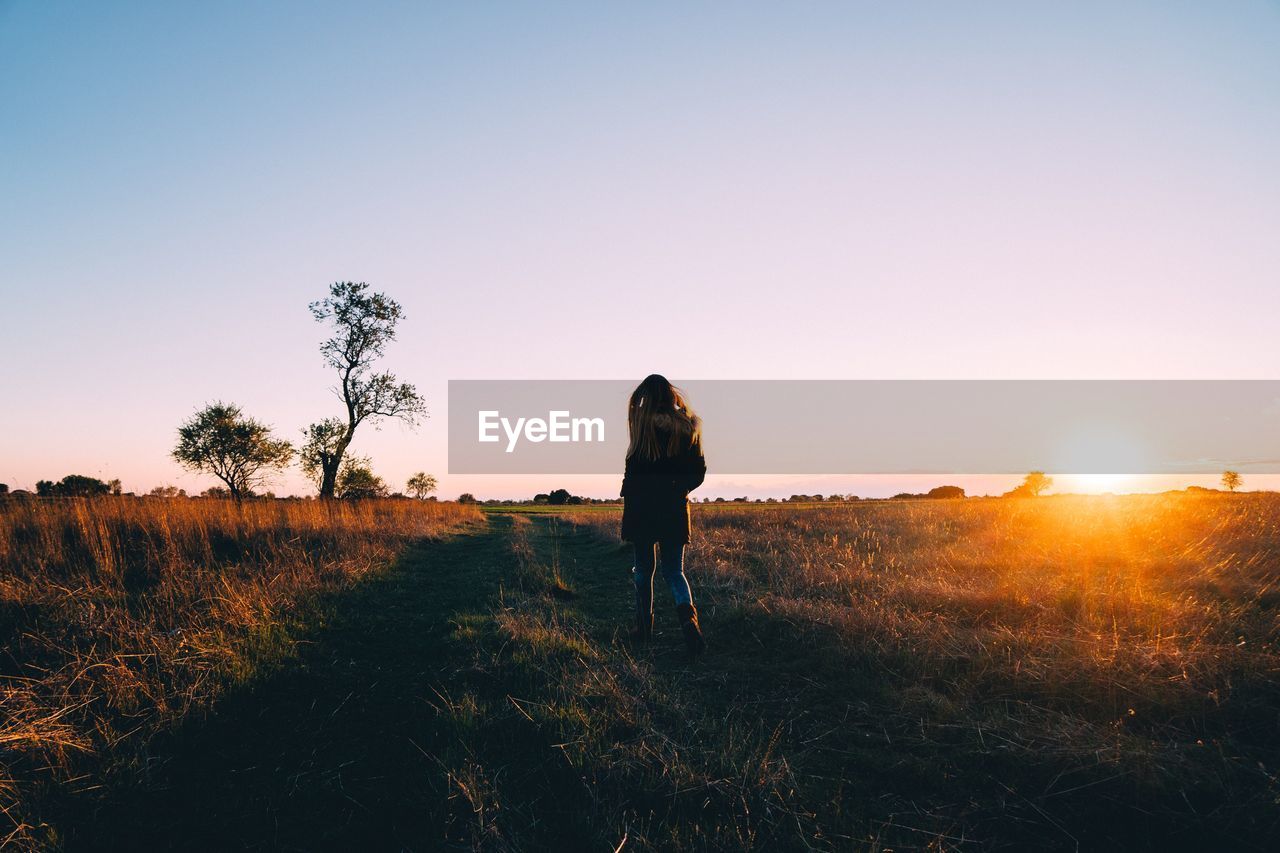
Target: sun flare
{"x": 1095, "y": 484}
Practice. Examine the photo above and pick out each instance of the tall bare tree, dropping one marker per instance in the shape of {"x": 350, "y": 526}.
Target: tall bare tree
{"x": 363, "y": 324}
{"x": 238, "y": 450}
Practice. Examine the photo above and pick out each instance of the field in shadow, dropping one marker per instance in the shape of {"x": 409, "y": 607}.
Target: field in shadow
{"x": 340, "y": 749}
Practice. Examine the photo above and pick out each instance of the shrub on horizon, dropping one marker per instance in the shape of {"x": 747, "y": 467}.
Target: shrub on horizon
{"x": 76, "y": 486}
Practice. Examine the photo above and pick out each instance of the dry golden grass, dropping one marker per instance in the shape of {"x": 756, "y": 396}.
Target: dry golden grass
{"x": 1171, "y": 592}
{"x": 1130, "y": 637}
{"x": 1053, "y": 673}
{"x": 1086, "y": 600}
{"x": 119, "y": 617}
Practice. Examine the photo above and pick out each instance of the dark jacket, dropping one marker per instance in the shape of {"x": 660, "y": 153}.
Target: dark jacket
{"x": 655, "y": 495}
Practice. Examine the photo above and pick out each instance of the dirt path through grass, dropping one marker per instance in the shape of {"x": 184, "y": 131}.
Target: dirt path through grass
{"x": 458, "y": 700}
{"x": 402, "y": 706}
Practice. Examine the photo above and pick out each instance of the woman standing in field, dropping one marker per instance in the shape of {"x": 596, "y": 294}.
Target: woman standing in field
{"x": 664, "y": 464}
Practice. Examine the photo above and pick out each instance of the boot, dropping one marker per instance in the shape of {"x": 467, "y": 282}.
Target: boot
{"x": 643, "y": 631}
{"x": 689, "y": 627}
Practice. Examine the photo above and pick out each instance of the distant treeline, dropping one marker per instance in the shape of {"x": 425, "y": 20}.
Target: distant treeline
{"x": 421, "y": 484}
{"x": 555, "y": 497}
{"x": 82, "y": 486}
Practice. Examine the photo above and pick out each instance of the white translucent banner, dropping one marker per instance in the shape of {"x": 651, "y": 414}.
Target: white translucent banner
{"x": 882, "y": 427}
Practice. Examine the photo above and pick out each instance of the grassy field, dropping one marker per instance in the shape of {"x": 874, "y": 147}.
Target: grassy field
{"x": 1091, "y": 670}
{"x": 121, "y": 617}
{"x": 1054, "y": 673}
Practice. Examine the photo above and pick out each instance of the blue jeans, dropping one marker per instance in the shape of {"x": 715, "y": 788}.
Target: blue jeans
{"x": 672, "y": 571}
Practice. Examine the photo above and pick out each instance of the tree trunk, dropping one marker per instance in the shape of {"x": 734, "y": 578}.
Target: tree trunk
{"x": 329, "y": 478}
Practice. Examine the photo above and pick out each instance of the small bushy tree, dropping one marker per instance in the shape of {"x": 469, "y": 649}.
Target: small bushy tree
{"x": 240, "y": 451}
{"x": 1231, "y": 480}
{"x": 421, "y": 484}
{"x": 1032, "y": 486}
{"x": 1037, "y": 482}
{"x": 356, "y": 480}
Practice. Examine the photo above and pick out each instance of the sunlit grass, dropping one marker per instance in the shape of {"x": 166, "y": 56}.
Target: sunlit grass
{"x": 1129, "y": 637}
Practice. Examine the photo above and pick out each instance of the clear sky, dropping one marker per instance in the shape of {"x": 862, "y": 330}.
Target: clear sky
{"x": 600, "y": 190}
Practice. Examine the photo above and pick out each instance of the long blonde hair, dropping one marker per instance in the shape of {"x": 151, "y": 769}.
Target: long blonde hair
{"x": 658, "y": 407}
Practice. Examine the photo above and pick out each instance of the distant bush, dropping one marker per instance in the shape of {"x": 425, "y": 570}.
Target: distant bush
{"x": 167, "y": 492}
{"x": 73, "y": 486}
{"x": 945, "y": 492}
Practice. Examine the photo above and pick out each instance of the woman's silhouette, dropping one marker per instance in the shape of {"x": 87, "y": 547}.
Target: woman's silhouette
{"x": 664, "y": 464}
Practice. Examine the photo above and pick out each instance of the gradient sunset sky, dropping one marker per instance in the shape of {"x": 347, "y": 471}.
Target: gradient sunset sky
{"x": 857, "y": 190}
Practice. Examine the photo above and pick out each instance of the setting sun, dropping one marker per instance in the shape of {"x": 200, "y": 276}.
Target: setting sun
{"x": 1095, "y": 484}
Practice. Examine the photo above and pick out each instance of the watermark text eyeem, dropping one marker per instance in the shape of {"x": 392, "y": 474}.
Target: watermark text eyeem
{"x": 559, "y": 426}
{"x": 838, "y": 427}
